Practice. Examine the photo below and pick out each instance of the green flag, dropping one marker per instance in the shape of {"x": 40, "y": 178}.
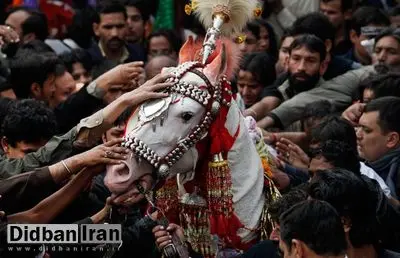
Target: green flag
{"x": 165, "y": 18}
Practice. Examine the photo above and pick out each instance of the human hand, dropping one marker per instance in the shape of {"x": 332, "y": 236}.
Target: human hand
{"x": 133, "y": 196}
{"x": 164, "y": 236}
{"x": 292, "y": 154}
{"x": 353, "y": 113}
{"x": 103, "y": 214}
{"x": 149, "y": 90}
{"x": 7, "y": 35}
{"x": 107, "y": 153}
{"x": 123, "y": 74}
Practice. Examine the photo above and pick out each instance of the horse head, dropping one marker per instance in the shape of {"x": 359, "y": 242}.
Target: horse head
{"x": 199, "y": 120}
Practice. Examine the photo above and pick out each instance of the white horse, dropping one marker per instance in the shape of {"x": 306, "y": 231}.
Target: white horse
{"x": 198, "y": 122}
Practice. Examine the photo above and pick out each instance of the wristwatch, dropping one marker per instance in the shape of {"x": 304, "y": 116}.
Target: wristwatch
{"x": 95, "y": 91}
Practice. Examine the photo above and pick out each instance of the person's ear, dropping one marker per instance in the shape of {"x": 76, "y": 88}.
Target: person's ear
{"x": 4, "y": 144}
{"x": 353, "y": 37}
{"x": 346, "y": 224}
{"x": 96, "y": 28}
{"x": 328, "y": 45}
{"x": 393, "y": 140}
{"x": 28, "y": 38}
{"x": 323, "y": 67}
{"x": 297, "y": 249}
{"x": 36, "y": 90}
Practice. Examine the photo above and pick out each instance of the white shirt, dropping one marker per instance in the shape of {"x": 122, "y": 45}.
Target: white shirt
{"x": 369, "y": 172}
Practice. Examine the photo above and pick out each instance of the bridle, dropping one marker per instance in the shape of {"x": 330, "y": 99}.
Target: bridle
{"x": 210, "y": 99}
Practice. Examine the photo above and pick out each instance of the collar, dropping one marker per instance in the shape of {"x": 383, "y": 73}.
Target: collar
{"x": 122, "y": 59}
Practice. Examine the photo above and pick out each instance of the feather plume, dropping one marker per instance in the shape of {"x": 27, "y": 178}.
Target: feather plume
{"x": 240, "y": 12}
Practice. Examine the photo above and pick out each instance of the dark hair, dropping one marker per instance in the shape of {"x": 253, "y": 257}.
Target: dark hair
{"x": 29, "y": 67}
{"x": 351, "y": 197}
{"x": 5, "y": 105}
{"x": 316, "y": 24}
{"x": 389, "y": 110}
{"x": 37, "y": 46}
{"x": 102, "y": 68}
{"x": 317, "y": 224}
{"x": 273, "y": 43}
{"x": 254, "y": 28}
{"x": 36, "y": 23}
{"x": 76, "y": 56}
{"x": 383, "y": 85}
{"x": 173, "y": 39}
{"x": 318, "y": 110}
{"x": 108, "y": 7}
{"x": 261, "y": 66}
{"x": 81, "y": 28}
{"x": 312, "y": 43}
{"x": 286, "y": 33}
{"x": 142, "y": 6}
{"x": 345, "y": 5}
{"x": 368, "y": 15}
{"x": 284, "y": 203}
{"x": 389, "y": 32}
{"x": 29, "y": 120}
{"x": 337, "y": 143}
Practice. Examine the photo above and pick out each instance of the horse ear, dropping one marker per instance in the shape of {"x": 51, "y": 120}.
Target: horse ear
{"x": 187, "y": 52}
{"x": 217, "y": 66}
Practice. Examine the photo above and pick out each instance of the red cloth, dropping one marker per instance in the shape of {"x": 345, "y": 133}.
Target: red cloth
{"x": 59, "y": 16}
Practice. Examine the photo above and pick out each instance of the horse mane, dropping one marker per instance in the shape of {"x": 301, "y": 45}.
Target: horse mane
{"x": 191, "y": 51}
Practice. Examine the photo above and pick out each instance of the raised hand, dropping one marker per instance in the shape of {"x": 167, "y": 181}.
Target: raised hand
{"x": 107, "y": 153}
{"x": 292, "y": 154}
{"x": 7, "y": 35}
{"x": 353, "y": 113}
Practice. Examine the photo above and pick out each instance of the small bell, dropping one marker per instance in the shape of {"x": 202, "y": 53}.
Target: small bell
{"x": 215, "y": 108}
{"x": 163, "y": 170}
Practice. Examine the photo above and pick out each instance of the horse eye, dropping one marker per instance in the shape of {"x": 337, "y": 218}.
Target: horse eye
{"x": 186, "y": 116}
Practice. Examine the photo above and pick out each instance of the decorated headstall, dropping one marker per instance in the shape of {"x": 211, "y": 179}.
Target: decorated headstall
{"x": 210, "y": 98}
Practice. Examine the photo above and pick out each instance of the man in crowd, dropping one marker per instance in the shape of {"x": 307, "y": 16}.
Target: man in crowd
{"x": 28, "y": 125}
{"x": 111, "y": 28}
{"x": 338, "y": 13}
{"x": 312, "y": 229}
{"x": 379, "y": 139}
{"x": 306, "y": 66}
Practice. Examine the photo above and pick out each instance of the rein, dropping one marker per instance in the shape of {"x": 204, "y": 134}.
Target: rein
{"x": 210, "y": 99}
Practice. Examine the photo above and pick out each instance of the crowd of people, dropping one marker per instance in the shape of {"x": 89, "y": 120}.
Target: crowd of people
{"x": 321, "y": 78}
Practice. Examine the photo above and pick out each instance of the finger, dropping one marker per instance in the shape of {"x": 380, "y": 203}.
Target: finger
{"x": 163, "y": 242}
{"x": 157, "y": 95}
{"x": 160, "y": 86}
{"x": 113, "y": 155}
{"x": 161, "y": 234}
{"x": 134, "y": 64}
{"x": 286, "y": 141}
{"x": 158, "y": 228}
{"x": 172, "y": 227}
{"x": 160, "y": 78}
{"x": 119, "y": 150}
{"x": 113, "y": 142}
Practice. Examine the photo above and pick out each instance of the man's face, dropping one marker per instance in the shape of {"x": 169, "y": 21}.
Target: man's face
{"x": 21, "y": 149}
{"x": 387, "y": 51}
{"x": 80, "y": 74}
{"x": 357, "y": 39}
{"x": 159, "y": 46}
{"x": 249, "y": 88}
{"x": 250, "y": 44}
{"x": 15, "y": 21}
{"x": 111, "y": 31}
{"x": 333, "y": 11}
{"x": 284, "y": 54}
{"x": 135, "y": 25}
{"x": 304, "y": 69}
{"x": 114, "y": 133}
{"x": 46, "y": 91}
{"x": 65, "y": 86}
{"x": 372, "y": 141}
{"x": 318, "y": 161}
